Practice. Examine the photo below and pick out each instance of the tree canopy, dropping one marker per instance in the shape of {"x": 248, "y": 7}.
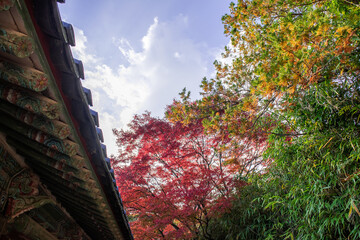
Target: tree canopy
{"x": 171, "y": 177}
{"x": 282, "y": 116}
{"x": 278, "y": 50}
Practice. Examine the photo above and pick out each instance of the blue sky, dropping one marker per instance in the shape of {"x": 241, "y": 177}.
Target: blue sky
{"x": 139, "y": 54}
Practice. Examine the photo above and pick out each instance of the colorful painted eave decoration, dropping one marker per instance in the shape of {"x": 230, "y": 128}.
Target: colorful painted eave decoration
{"x": 45, "y": 117}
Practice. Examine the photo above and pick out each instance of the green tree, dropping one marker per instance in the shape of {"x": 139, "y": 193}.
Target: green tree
{"x": 311, "y": 189}
{"x": 279, "y": 49}
{"x": 293, "y": 79}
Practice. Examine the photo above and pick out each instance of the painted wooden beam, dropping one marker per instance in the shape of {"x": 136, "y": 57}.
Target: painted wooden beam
{"x": 15, "y": 43}
{"x": 23, "y": 194}
{"x": 67, "y": 147}
{"x": 15, "y": 139}
{"x": 31, "y": 101}
{"x": 23, "y": 76}
{"x": 77, "y": 161}
{"x": 79, "y": 176}
{"x": 63, "y": 178}
{"x": 58, "y": 222}
{"x": 53, "y": 127}
{"x": 20, "y": 193}
{"x": 6, "y": 4}
{"x": 32, "y": 229}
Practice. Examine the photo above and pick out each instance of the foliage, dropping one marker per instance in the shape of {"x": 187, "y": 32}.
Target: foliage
{"x": 244, "y": 148}
{"x": 283, "y": 114}
{"x": 279, "y": 49}
{"x": 293, "y": 83}
{"x": 247, "y": 218}
{"x": 171, "y": 177}
{"x": 311, "y": 191}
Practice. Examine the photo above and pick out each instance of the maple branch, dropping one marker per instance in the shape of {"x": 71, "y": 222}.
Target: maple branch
{"x": 167, "y": 165}
{"x": 207, "y": 221}
{"x": 162, "y": 233}
{"x": 252, "y": 169}
{"x": 201, "y": 153}
{"x": 175, "y": 226}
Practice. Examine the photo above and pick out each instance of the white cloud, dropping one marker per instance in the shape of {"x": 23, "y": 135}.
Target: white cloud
{"x": 167, "y": 62}
{"x": 80, "y": 50}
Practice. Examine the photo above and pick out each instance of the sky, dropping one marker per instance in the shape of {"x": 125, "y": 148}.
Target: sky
{"x": 139, "y": 54}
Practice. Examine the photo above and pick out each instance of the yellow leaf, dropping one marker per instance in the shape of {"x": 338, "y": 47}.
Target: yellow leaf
{"x": 355, "y": 208}
{"x": 291, "y": 90}
{"x": 326, "y": 143}
{"x": 340, "y": 30}
{"x": 291, "y": 27}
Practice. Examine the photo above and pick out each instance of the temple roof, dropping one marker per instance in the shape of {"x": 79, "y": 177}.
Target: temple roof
{"x": 46, "y": 118}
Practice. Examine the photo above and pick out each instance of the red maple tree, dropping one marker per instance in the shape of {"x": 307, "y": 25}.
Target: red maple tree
{"x": 172, "y": 178}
